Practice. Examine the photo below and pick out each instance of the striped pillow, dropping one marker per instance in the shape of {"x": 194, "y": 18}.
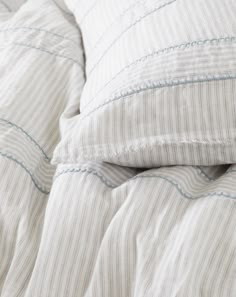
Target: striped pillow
{"x": 160, "y": 84}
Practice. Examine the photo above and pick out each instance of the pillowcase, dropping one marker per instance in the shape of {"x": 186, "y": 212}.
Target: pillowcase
{"x": 160, "y": 86}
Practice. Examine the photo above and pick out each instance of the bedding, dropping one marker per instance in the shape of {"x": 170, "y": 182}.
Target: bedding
{"x": 157, "y": 73}
{"x": 78, "y": 227}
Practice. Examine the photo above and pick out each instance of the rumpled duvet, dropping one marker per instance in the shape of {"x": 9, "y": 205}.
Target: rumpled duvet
{"x": 95, "y": 229}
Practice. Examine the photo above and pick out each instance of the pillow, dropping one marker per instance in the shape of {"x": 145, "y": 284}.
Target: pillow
{"x": 160, "y": 86}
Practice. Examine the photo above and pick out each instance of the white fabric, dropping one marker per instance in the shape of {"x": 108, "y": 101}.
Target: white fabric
{"x": 157, "y": 74}
{"x": 109, "y": 232}
{"x": 94, "y": 229}
{"x": 41, "y": 74}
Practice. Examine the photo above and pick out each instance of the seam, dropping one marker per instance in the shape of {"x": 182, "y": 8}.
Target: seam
{"x": 13, "y": 29}
{"x": 27, "y": 136}
{"x": 143, "y": 146}
{"x": 48, "y": 52}
{"x": 39, "y": 187}
{"x": 153, "y": 85}
{"x": 127, "y": 29}
{"x": 102, "y": 178}
{"x": 182, "y": 46}
{"x": 6, "y": 6}
{"x": 186, "y": 194}
{"x": 167, "y": 179}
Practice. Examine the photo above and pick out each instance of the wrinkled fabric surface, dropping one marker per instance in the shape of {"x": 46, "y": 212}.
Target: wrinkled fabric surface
{"x": 95, "y": 229}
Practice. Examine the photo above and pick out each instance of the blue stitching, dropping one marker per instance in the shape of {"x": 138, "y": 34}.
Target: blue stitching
{"x": 181, "y": 46}
{"x": 13, "y": 29}
{"x": 169, "y": 180}
{"x": 151, "y": 85}
{"x": 28, "y": 136}
{"x": 181, "y": 191}
{"x": 48, "y": 52}
{"x": 5, "y": 5}
{"x": 128, "y": 28}
{"x": 88, "y": 171}
{"x": 40, "y": 188}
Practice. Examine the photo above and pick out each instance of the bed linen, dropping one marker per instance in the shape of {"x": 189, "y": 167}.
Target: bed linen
{"x": 93, "y": 229}
{"x": 158, "y": 72}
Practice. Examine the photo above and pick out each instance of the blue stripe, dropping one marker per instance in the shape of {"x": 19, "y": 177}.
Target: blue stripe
{"x": 48, "y": 52}
{"x": 28, "y": 136}
{"x": 39, "y": 187}
{"x": 165, "y": 178}
{"x": 182, "y": 192}
{"x": 153, "y": 85}
{"x": 182, "y": 46}
{"x": 127, "y": 29}
{"x": 103, "y": 179}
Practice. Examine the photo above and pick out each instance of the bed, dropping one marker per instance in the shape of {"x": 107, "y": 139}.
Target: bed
{"x": 117, "y": 148}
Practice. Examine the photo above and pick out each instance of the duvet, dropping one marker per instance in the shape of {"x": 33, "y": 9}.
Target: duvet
{"x": 85, "y": 212}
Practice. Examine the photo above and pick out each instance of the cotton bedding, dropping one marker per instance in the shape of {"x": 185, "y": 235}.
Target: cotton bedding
{"x": 157, "y": 72}
{"x": 89, "y": 228}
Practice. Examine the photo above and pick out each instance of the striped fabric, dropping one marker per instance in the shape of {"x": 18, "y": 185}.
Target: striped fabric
{"x": 42, "y": 65}
{"x": 41, "y": 78}
{"x": 158, "y": 73}
{"x": 94, "y": 229}
{"x": 108, "y": 231}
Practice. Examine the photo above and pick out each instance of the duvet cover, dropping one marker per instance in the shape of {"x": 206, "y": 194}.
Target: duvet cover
{"x": 113, "y": 183}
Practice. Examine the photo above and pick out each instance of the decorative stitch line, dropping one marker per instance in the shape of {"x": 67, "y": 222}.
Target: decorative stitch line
{"x": 28, "y": 136}
{"x": 49, "y": 52}
{"x": 13, "y": 29}
{"x": 182, "y": 192}
{"x": 181, "y": 46}
{"x": 128, "y": 28}
{"x": 88, "y": 171}
{"x": 167, "y": 179}
{"x": 40, "y": 188}
{"x": 151, "y": 85}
